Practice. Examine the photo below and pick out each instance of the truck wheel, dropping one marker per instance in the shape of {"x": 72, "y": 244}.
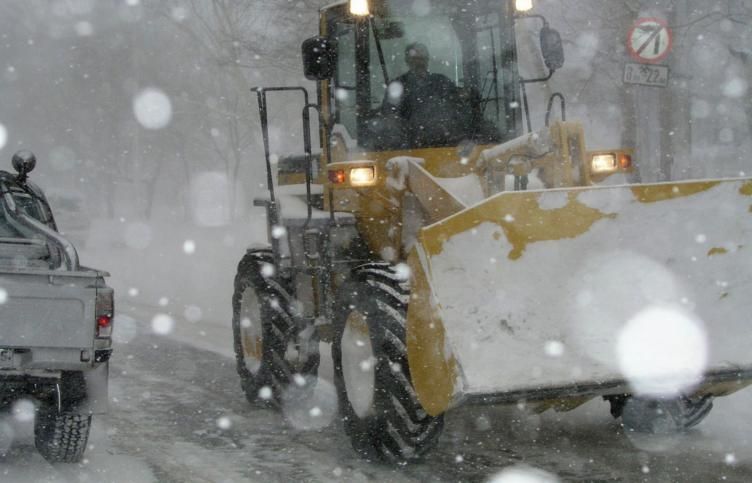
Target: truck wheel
{"x": 379, "y": 408}
{"x": 664, "y": 416}
{"x": 270, "y": 349}
{"x": 61, "y": 437}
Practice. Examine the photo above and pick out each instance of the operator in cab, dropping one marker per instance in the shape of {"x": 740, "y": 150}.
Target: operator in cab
{"x": 414, "y": 94}
{"x": 427, "y": 109}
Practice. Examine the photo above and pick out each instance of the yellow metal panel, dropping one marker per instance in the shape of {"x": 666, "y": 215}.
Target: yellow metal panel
{"x": 433, "y": 372}
{"x": 436, "y": 201}
{"x": 668, "y": 191}
{"x": 378, "y": 209}
{"x": 442, "y": 162}
{"x": 522, "y": 220}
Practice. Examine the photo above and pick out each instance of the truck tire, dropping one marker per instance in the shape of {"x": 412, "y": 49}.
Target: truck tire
{"x": 61, "y": 437}
{"x": 663, "y": 416}
{"x": 269, "y": 349}
{"x": 378, "y": 405}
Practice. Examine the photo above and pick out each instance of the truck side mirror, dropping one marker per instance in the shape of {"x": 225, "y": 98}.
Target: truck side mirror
{"x": 319, "y": 58}
{"x": 552, "y": 48}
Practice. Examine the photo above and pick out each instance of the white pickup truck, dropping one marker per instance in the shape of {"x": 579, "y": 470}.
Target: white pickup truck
{"x": 56, "y": 321}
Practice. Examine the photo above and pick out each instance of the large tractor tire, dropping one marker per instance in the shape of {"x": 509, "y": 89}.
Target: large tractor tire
{"x": 61, "y": 437}
{"x": 661, "y": 416}
{"x": 271, "y": 351}
{"x": 379, "y": 408}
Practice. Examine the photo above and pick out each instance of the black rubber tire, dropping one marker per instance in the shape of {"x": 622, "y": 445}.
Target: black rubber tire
{"x": 61, "y": 438}
{"x": 278, "y": 331}
{"x": 662, "y": 416}
{"x": 398, "y": 430}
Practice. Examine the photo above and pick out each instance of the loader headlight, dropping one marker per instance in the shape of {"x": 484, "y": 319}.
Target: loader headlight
{"x": 603, "y": 163}
{"x": 363, "y": 176}
{"x": 609, "y": 162}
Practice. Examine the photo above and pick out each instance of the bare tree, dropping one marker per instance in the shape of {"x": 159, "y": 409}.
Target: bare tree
{"x": 237, "y": 44}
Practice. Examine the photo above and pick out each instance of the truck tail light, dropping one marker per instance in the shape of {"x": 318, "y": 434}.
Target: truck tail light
{"x": 104, "y": 326}
{"x": 105, "y": 311}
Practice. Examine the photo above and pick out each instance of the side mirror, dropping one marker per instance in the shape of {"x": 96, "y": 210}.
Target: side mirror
{"x": 552, "y": 48}
{"x": 319, "y": 58}
{"x": 24, "y": 162}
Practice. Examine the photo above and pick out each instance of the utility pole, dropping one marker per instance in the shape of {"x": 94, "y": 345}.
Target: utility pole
{"x": 677, "y": 116}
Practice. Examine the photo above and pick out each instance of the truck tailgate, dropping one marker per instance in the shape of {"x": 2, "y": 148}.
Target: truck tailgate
{"x": 46, "y": 310}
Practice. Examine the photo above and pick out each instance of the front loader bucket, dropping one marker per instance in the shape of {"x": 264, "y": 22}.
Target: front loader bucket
{"x": 543, "y": 295}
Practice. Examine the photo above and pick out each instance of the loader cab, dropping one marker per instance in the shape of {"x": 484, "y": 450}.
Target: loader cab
{"x": 471, "y": 47}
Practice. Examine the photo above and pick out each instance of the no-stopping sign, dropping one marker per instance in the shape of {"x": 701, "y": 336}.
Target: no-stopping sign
{"x": 650, "y": 40}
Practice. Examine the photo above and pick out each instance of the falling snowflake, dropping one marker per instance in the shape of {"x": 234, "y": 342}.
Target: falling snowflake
{"x": 162, "y": 324}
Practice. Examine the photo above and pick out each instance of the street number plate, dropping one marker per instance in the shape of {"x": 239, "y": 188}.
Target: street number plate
{"x": 646, "y": 75}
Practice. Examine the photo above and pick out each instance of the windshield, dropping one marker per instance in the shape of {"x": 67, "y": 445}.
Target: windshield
{"x": 427, "y": 76}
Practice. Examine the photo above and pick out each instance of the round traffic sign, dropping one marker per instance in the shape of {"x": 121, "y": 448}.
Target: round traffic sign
{"x": 650, "y": 40}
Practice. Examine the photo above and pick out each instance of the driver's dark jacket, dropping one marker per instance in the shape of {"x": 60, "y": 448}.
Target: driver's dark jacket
{"x": 428, "y": 107}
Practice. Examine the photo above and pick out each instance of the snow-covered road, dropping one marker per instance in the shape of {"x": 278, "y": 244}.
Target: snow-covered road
{"x": 178, "y": 415}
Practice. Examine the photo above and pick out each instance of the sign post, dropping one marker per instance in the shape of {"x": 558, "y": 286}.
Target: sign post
{"x": 649, "y": 44}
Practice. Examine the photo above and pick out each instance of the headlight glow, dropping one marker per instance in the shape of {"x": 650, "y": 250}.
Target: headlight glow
{"x": 362, "y": 176}
{"x": 603, "y": 163}
{"x": 359, "y": 8}
{"x": 523, "y": 5}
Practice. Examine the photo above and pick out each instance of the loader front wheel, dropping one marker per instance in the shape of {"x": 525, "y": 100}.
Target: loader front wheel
{"x": 663, "y": 416}
{"x": 378, "y": 404}
{"x": 271, "y": 351}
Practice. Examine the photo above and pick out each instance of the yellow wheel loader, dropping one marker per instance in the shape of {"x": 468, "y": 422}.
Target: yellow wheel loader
{"x": 453, "y": 257}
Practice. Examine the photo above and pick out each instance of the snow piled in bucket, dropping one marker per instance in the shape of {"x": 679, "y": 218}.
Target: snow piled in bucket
{"x": 598, "y": 294}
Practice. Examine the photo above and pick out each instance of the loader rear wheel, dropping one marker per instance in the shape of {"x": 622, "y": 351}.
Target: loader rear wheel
{"x": 663, "y": 416}
{"x": 271, "y": 351}
{"x": 379, "y": 408}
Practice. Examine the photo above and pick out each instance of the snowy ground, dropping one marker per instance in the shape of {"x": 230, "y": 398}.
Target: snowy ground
{"x": 178, "y": 414}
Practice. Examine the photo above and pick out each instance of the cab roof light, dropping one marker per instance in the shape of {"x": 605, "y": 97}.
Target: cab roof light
{"x": 359, "y": 8}
{"x": 523, "y": 5}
